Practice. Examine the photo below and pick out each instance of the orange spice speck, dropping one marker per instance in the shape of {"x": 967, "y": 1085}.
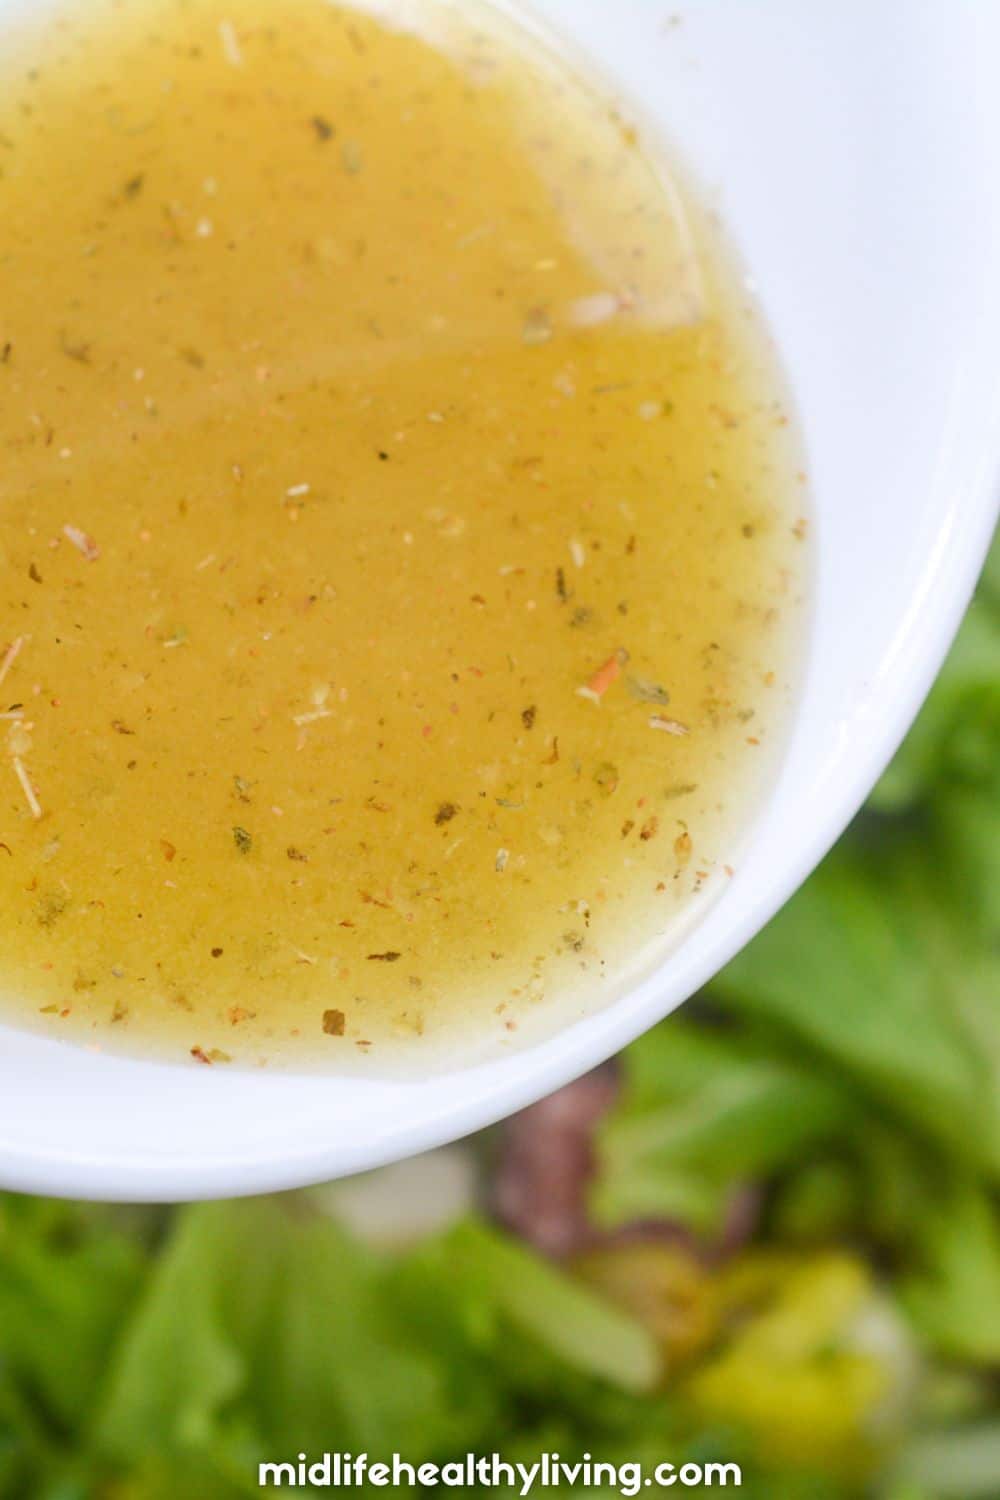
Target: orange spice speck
{"x": 606, "y": 674}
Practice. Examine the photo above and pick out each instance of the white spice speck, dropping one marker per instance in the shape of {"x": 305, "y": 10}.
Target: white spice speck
{"x": 19, "y": 737}
{"x": 10, "y": 656}
{"x": 231, "y": 48}
{"x": 590, "y": 312}
{"x": 204, "y": 229}
{"x": 82, "y": 542}
{"x": 500, "y": 863}
{"x": 577, "y": 551}
{"x": 311, "y": 718}
{"x": 297, "y": 489}
{"x": 668, "y": 726}
{"x": 650, "y": 410}
{"x": 28, "y": 790}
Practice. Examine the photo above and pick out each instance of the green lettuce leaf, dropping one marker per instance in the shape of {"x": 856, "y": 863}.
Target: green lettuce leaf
{"x": 874, "y": 970}
{"x": 700, "y": 1112}
{"x": 262, "y": 1332}
{"x": 953, "y": 1296}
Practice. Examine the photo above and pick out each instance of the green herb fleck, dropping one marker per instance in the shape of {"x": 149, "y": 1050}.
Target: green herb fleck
{"x": 647, "y": 691}
{"x": 606, "y": 777}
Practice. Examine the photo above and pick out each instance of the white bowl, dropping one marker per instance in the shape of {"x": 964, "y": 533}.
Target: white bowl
{"x": 853, "y": 151}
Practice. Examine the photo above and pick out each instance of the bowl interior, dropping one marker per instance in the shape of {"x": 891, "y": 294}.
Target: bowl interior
{"x": 852, "y": 153}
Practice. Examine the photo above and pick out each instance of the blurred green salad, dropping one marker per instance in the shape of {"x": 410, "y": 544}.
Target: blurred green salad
{"x": 769, "y": 1233}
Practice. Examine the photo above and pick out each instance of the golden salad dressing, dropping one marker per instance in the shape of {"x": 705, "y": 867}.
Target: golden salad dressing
{"x": 399, "y": 553}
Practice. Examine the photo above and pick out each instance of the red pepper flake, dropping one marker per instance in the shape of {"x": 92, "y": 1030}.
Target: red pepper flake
{"x": 606, "y": 674}
{"x": 389, "y": 957}
{"x": 169, "y": 850}
{"x": 200, "y": 1055}
{"x": 649, "y": 829}
{"x": 682, "y": 847}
